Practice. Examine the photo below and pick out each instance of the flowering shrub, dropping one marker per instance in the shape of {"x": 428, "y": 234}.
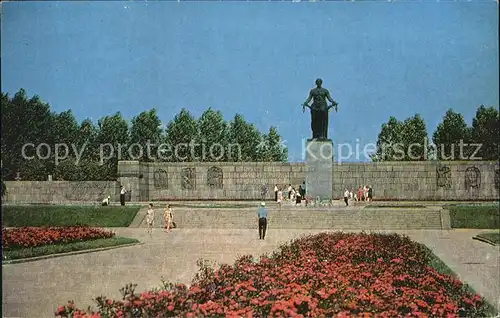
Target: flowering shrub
{"x": 24, "y": 237}
{"x": 317, "y": 276}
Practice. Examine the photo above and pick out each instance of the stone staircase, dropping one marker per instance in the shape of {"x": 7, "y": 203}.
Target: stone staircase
{"x": 288, "y": 217}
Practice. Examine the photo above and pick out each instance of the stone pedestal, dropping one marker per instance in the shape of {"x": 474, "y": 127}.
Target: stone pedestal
{"x": 319, "y": 168}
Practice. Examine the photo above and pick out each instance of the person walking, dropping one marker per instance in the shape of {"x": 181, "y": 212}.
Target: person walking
{"x": 122, "y": 195}
{"x": 370, "y": 193}
{"x": 150, "y": 218}
{"x": 346, "y": 197}
{"x": 298, "y": 198}
{"x": 262, "y": 215}
{"x": 280, "y": 198}
{"x": 168, "y": 218}
{"x": 276, "y": 193}
{"x": 360, "y": 193}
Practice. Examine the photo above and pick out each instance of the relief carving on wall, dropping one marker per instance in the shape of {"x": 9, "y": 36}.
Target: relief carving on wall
{"x": 443, "y": 179}
{"x": 47, "y": 193}
{"x": 88, "y": 191}
{"x": 160, "y": 179}
{"x": 215, "y": 178}
{"x": 472, "y": 178}
{"x": 188, "y": 179}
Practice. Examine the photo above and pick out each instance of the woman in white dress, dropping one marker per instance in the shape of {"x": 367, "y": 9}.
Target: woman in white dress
{"x": 150, "y": 218}
{"x": 280, "y": 197}
{"x": 168, "y": 217}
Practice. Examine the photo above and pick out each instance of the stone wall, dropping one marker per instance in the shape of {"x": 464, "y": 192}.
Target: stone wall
{"x": 430, "y": 180}
{"x": 59, "y": 191}
{"x": 243, "y": 181}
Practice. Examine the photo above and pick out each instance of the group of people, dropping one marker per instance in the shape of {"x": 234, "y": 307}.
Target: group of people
{"x": 290, "y": 194}
{"x": 105, "y": 201}
{"x": 168, "y": 218}
{"x": 363, "y": 194}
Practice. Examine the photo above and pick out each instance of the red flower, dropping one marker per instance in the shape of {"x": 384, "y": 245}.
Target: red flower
{"x": 324, "y": 275}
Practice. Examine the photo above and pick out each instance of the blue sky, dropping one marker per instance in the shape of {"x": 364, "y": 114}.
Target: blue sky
{"x": 378, "y": 59}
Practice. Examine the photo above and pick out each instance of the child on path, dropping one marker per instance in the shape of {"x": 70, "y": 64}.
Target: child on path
{"x": 105, "y": 202}
{"x": 150, "y": 218}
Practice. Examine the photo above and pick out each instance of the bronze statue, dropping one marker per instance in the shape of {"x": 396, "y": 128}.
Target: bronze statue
{"x": 319, "y": 110}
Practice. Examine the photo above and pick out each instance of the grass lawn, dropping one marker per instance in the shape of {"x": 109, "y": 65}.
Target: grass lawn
{"x": 475, "y": 216}
{"x": 493, "y": 237}
{"x": 64, "y": 248}
{"x": 60, "y": 215}
{"x": 436, "y": 263}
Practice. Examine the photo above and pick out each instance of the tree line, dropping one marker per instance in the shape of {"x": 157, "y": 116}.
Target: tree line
{"x": 30, "y": 121}
{"x": 453, "y": 139}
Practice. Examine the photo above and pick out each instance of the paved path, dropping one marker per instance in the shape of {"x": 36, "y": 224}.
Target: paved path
{"x": 35, "y": 289}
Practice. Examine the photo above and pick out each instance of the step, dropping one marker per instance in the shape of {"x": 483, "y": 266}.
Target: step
{"x": 307, "y": 218}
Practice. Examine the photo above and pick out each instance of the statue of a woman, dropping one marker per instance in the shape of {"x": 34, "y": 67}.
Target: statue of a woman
{"x": 319, "y": 110}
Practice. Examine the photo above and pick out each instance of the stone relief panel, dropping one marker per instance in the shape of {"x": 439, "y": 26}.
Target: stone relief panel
{"x": 443, "y": 177}
{"x": 160, "y": 179}
{"x": 215, "y": 178}
{"x": 88, "y": 191}
{"x": 472, "y": 178}
{"x": 188, "y": 179}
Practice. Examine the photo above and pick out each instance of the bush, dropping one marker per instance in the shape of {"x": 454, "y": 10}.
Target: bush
{"x": 86, "y": 170}
{"x": 322, "y": 275}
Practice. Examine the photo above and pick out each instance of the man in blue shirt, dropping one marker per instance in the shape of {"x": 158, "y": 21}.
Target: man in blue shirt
{"x": 262, "y": 214}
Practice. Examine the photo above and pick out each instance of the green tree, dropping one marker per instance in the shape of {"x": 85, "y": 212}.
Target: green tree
{"x": 3, "y": 189}
{"x": 85, "y": 170}
{"x": 87, "y": 146}
{"x": 402, "y": 141}
{"x": 273, "y": 148}
{"x": 65, "y": 128}
{"x": 486, "y": 132}
{"x": 24, "y": 121}
{"x": 113, "y": 140}
{"x": 415, "y": 139}
{"x": 180, "y": 137}
{"x": 63, "y": 137}
{"x": 146, "y": 131}
{"x": 389, "y": 142}
{"x": 245, "y": 140}
{"x": 212, "y": 132}
{"x": 449, "y": 135}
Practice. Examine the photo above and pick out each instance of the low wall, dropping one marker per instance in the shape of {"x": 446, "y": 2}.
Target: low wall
{"x": 59, "y": 191}
{"x": 427, "y": 181}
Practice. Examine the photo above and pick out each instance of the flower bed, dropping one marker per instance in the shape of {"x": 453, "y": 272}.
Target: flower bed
{"x": 26, "y": 237}
{"x": 317, "y": 276}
